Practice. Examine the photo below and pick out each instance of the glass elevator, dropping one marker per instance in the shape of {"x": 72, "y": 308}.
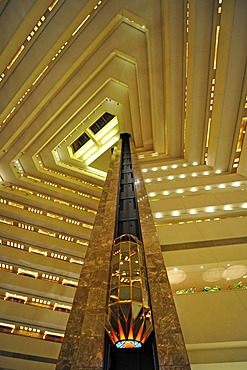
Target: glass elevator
{"x": 129, "y": 339}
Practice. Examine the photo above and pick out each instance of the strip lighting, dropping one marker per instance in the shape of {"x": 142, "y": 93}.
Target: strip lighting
{"x": 46, "y": 253}
{"x": 186, "y": 69}
{"x": 80, "y": 25}
{"x": 27, "y": 331}
{"x": 52, "y": 5}
{"x": 40, "y": 75}
{"x": 43, "y": 231}
{"x": 34, "y": 301}
{"x": 52, "y": 184}
{"x": 28, "y": 39}
{"x": 213, "y": 77}
{"x": 39, "y": 275}
{"x": 216, "y": 46}
{"x": 31, "y": 34}
{"x": 16, "y": 56}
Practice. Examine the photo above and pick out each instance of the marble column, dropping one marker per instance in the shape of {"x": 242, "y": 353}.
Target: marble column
{"x": 83, "y": 346}
{"x": 172, "y": 354}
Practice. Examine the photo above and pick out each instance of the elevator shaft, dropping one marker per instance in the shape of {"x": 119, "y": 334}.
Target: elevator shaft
{"x": 128, "y": 313}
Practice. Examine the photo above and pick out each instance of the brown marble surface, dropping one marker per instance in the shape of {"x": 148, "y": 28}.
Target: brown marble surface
{"x": 83, "y": 346}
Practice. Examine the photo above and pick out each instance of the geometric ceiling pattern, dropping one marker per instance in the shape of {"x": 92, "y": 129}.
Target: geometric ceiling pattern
{"x": 171, "y": 73}
{"x": 174, "y": 74}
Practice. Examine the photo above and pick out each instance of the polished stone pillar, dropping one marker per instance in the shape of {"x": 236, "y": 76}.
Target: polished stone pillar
{"x": 83, "y": 346}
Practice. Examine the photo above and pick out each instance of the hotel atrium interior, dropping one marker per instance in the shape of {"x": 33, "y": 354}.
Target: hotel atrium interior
{"x": 74, "y": 75}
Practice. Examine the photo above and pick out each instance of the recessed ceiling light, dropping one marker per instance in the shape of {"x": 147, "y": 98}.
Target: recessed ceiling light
{"x": 218, "y": 171}
{"x": 175, "y": 213}
{"x": 154, "y": 169}
{"x": 170, "y": 177}
{"x": 164, "y": 168}
{"x": 205, "y": 173}
{"x": 195, "y": 163}
{"x": 194, "y": 189}
{"x": 174, "y": 166}
{"x": 208, "y": 187}
{"x": 222, "y": 186}
{"x": 152, "y": 194}
{"x": 159, "y": 179}
{"x": 227, "y": 207}
{"x": 209, "y": 209}
{"x": 147, "y": 180}
{"x": 236, "y": 183}
{"x": 144, "y": 170}
{"x": 194, "y": 174}
{"x": 193, "y": 211}
{"x": 158, "y": 215}
{"x": 244, "y": 205}
{"x": 182, "y": 176}
{"x": 179, "y": 191}
{"x": 165, "y": 192}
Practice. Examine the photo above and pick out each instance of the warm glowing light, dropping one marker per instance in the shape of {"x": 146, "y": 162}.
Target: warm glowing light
{"x": 175, "y": 213}
{"x": 52, "y": 5}
{"x": 227, "y": 207}
{"x": 194, "y": 189}
{"x": 158, "y": 215}
{"x": 80, "y": 25}
{"x": 209, "y": 209}
{"x": 216, "y": 46}
{"x": 128, "y": 344}
{"x": 236, "y": 184}
{"x": 15, "y": 57}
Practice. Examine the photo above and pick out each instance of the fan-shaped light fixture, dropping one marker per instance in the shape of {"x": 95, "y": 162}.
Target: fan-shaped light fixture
{"x": 213, "y": 274}
{"x": 234, "y": 272}
{"x": 176, "y": 276}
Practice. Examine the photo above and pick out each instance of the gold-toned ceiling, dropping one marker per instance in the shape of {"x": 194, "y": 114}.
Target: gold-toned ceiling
{"x": 174, "y": 75}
